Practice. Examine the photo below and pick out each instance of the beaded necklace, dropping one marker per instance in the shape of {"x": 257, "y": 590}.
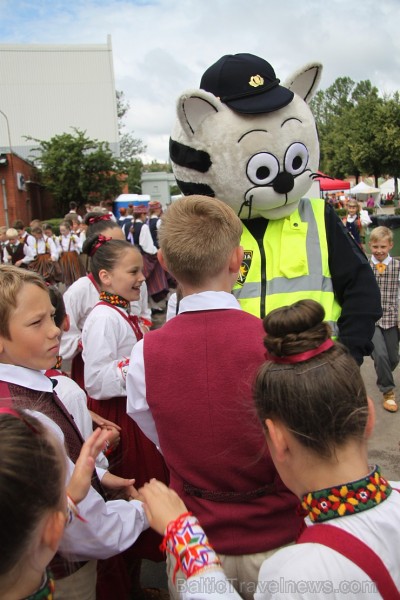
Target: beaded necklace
{"x": 351, "y": 498}
{"x": 46, "y": 590}
{"x": 115, "y": 300}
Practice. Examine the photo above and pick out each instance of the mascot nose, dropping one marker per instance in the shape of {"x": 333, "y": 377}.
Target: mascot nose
{"x": 283, "y": 183}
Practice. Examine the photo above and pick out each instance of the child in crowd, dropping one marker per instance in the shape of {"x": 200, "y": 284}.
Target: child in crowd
{"x": 29, "y": 344}
{"x": 156, "y": 278}
{"x": 23, "y": 235}
{"x": 81, "y": 297}
{"x": 356, "y": 220}
{"x": 48, "y": 232}
{"x": 386, "y": 337}
{"x": 112, "y": 578}
{"x": 311, "y": 399}
{"x": 45, "y": 261}
{"x": 3, "y": 241}
{"x": 155, "y": 212}
{"x": 71, "y": 394}
{"x": 15, "y": 252}
{"x": 108, "y": 336}
{"x": 198, "y": 407}
{"x": 71, "y": 267}
{"x": 34, "y": 501}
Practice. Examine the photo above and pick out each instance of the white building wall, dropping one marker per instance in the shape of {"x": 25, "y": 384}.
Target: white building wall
{"x": 46, "y": 90}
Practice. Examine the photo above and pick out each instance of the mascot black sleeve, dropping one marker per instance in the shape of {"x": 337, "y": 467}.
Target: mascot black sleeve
{"x": 355, "y": 287}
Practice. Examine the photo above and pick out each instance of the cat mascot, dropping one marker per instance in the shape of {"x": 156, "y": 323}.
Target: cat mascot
{"x": 251, "y": 142}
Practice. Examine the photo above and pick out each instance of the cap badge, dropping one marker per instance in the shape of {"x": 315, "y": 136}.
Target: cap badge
{"x": 256, "y": 81}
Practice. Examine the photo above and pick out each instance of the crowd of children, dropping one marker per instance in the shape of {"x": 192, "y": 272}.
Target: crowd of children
{"x": 253, "y": 425}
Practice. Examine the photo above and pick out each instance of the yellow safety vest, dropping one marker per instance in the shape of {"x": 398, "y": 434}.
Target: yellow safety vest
{"x": 290, "y": 265}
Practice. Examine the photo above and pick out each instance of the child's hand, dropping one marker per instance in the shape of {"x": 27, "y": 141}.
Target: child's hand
{"x": 124, "y": 487}
{"x": 80, "y": 481}
{"x": 161, "y": 504}
{"x": 109, "y": 425}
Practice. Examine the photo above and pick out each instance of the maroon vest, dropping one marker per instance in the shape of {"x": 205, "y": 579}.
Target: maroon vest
{"x": 49, "y": 404}
{"x": 199, "y": 371}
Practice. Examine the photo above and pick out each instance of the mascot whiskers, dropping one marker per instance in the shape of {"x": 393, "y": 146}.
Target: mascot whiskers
{"x": 251, "y": 142}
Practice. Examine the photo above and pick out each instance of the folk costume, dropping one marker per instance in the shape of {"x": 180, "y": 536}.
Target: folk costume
{"x": 45, "y": 261}
{"x": 13, "y": 253}
{"x": 71, "y": 266}
{"x": 140, "y": 236}
{"x": 252, "y": 143}
{"x": 199, "y": 410}
{"x": 109, "y": 528}
{"x": 357, "y": 515}
{"x": 79, "y": 300}
{"x": 108, "y": 336}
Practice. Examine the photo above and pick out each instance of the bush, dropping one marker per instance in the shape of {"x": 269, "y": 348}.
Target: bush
{"x": 55, "y": 223}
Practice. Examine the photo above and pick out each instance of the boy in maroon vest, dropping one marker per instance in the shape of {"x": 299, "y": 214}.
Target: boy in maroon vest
{"x": 189, "y": 389}
{"x": 29, "y": 344}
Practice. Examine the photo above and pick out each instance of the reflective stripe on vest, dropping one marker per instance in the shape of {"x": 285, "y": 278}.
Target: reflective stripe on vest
{"x": 295, "y": 264}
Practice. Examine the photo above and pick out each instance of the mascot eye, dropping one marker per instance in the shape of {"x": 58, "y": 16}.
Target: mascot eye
{"x": 262, "y": 168}
{"x": 296, "y": 158}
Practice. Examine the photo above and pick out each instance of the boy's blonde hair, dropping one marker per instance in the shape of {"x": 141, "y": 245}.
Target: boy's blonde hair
{"x": 380, "y": 233}
{"x": 12, "y": 279}
{"x": 11, "y": 233}
{"x": 197, "y": 236}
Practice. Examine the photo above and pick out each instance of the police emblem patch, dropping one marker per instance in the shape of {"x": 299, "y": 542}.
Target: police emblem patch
{"x": 244, "y": 267}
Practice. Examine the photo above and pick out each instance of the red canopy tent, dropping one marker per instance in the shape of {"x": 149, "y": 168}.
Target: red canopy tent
{"x": 328, "y": 184}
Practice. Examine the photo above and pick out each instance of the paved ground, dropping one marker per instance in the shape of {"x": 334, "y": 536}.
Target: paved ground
{"x": 384, "y": 444}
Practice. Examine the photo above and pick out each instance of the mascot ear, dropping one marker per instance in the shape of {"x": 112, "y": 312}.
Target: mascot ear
{"x": 194, "y": 107}
{"x": 305, "y": 81}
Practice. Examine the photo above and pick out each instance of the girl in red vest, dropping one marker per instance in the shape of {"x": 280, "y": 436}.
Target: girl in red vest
{"x": 109, "y": 334}
{"x": 311, "y": 399}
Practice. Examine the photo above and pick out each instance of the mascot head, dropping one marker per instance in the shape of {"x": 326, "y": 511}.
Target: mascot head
{"x": 246, "y": 139}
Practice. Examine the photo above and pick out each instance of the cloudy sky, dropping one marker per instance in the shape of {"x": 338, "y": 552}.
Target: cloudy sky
{"x": 162, "y": 47}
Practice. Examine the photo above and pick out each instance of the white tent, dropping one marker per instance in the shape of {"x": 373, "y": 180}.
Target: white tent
{"x": 364, "y": 189}
{"x": 388, "y": 186}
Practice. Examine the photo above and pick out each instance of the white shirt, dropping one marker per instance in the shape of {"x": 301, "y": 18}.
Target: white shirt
{"x": 137, "y": 406}
{"x": 145, "y": 239}
{"x": 27, "y": 258}
{"x": 75, "y": 401}
{"x": 43, "y": 246}
{"x": 70, "y": 243}
{"x": 313, "y": 571}
{"x": 79, "y": 300}
{"x": 107, "y": 339}
{"x": 110, "y": 527}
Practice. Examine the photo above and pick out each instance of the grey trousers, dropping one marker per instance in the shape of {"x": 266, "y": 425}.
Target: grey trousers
{"x": 385, "y": 356}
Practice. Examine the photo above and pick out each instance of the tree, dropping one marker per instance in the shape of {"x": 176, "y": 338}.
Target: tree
{"x": 129, "y": 146}
{"x": 74, "y": 167}
{"x": 134, "y": 179}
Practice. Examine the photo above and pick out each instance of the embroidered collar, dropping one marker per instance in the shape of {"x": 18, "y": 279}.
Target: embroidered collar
{"x": 115, "y": 300}
{"x": 350, "y": 498}
{"x": 46, "y": 590}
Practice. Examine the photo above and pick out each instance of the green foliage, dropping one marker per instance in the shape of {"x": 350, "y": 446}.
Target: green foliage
{"x": 129, "y": 146}
{"x": 155, "y": 167}
{"x": 134, "y": 176}
{"x": 74, "y": 167}
{"x": 358, "y": 130}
